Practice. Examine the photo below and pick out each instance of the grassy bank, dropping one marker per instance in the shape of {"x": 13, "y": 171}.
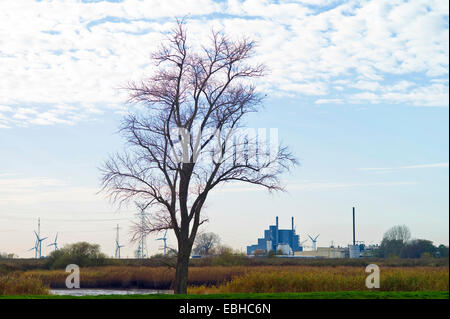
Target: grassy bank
{"x": 310, "y": 295}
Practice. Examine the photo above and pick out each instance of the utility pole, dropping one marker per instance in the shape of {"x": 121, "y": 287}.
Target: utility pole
{"x": 142, "y": 247}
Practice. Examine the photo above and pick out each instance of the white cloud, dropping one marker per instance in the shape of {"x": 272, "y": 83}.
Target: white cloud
{"x": 310, "y": 186}
{"x": 329, "y": 101}
{"x": 366, "y": 85}
{"x": 434, "y": 165}
{"x": 70, "y": 53}
{"x": 42, "y": 189}
{"x": 333, "y": 185}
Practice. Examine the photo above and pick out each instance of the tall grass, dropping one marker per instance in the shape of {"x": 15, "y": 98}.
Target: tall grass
{"x": 311, "y": 279}
{"x": 16, "y": 285}
{"x": 253, "y": 279}
{"x": 140, "y": 277}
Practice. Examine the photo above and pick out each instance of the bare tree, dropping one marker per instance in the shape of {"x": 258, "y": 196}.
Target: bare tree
{"x": 188, "y": 139}
{"x": 205, "y": 243}
{"x": 398, "y": 232}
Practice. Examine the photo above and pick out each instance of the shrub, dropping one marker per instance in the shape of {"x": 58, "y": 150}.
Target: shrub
{"x": 82, "y": 254}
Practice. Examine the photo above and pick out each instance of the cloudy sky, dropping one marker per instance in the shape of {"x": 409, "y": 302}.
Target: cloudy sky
{"x": 358, "y": 89}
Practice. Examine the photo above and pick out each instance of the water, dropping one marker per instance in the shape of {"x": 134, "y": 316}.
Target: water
{"x": 99, "y": 291}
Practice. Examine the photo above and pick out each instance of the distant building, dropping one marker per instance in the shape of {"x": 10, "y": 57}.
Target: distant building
{"x": 324, "y": 252}
{"x": 277, "y": 239}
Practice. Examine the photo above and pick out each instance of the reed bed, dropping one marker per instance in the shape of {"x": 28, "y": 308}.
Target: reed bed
{"x": 233, "y": 279}
{"x": 313, "y": 279}
{"x": 16, "y": 285}
{"x": 136, "y": 277}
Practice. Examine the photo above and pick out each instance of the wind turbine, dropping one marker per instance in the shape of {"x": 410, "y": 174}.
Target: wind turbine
{"x": 54, "y": 243}
{"x": 117, "y": 254}
{"x": 314, "y": 241}
{"x": 118, "y": 246}
{"x": 35, "y": 250}
{"x": 38, "y": 244}
{"x": 302, "y": 242}
{"x": 164, "y": 239}
{"x": 39, "y": 241}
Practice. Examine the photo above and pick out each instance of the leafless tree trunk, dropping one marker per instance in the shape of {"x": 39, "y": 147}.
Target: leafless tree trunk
{"x": 188, "y": 139}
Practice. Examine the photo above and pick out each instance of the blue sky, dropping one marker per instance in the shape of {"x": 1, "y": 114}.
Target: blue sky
{"x": 358, "y": 89}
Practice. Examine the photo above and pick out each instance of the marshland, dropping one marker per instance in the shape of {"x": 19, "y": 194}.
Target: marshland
{"x": 232, "y": 274}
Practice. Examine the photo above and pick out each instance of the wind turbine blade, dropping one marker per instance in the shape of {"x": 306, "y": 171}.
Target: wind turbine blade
{"x": 165, "y": 234}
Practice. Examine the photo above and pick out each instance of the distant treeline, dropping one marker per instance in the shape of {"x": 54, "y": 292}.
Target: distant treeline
{"x": 10, "y": 265}
{"x": 397, "y": 242}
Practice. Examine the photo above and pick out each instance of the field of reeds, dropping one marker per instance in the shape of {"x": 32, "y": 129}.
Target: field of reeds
{"x": 136, "y": 277}
{"x": 19, "y": 285}
{"x": 313, "y": 279}
{"x": 238, "y": 279}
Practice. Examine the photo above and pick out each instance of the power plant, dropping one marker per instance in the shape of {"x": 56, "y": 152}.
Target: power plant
{"x": 285, "y": 242}
{"x": 276, "y": 239}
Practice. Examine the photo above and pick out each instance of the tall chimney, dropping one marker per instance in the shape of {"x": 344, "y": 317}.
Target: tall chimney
{"x": 354, "y": 241}
{"x": 277, "y": 222}
{"x": 292, "y": 223}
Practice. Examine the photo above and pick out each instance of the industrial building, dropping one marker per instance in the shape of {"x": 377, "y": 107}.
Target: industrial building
{"x": 275, "y": 239}
{"x": 325, "y": 252}
{"x": 288, "y": 243}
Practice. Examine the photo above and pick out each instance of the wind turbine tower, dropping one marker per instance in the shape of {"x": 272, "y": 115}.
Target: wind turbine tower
{"x": 118, "y": 246}
{"x": 314, "y": 242}
{"x": 38, "y": 244}
{"x": 35, "y": 249}
{"x": 164, "y": 239}
{"x": 54, "y": 243}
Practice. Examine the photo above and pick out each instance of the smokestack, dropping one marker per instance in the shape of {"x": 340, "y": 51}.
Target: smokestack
{"x": 277, "y": 221}
{"x": 354, "y": 241}
{"x": 292, "y": 223}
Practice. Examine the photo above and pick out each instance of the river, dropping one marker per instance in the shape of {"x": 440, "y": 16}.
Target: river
{"x": 100, "y": 291}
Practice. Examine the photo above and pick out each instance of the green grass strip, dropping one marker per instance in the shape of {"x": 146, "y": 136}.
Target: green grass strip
{"x": 300, "y": 295}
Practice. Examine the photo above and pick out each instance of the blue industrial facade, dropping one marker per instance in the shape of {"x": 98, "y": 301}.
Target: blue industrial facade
{"x": 274, "y": 237}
